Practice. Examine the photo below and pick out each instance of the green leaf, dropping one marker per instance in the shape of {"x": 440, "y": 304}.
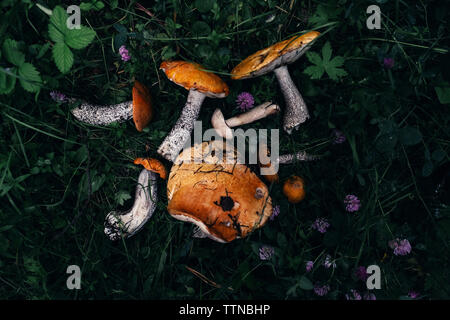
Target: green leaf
{"x": 57, "y": 28}
{"x": 29, "y": 77}
{"x": 314, "y": 57}
{"x": 326, "y": 52}
{"x": 314, "y": 72}
{"x": 443, "y": 94}
{"x": 204, "y": 5}
{"x": 7, "y": 82}
{"x": 324, "y": 64}
{"x": 409, "y": 136}
{"x": 12, "y": 52}
{"x": 305, "y": 283}
{"x": 122, "y": 196}
{"x": 63, "y": 57}
{"x": 93, "y": 5}
{"x": 79, "y": 38}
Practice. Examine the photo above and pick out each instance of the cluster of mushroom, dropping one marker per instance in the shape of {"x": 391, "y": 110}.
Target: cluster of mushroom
{"x": 224, "y": 199}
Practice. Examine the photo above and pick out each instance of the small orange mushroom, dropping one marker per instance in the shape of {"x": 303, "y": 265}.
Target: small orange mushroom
{"x": 294, "y": 189}
{"x": 142, "y": 106}
{"x": 152, "y": 165}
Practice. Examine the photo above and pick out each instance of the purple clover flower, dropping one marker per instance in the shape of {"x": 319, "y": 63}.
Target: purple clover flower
{"x": 361, "y": 273}
{"x": 245, "y": 101}
{"x": 369, "y": 296}
{"x": 339, "y": 137}
{"x": 275, "y": 212}
{"x": 354, "y": 295}
{"x": 309, "y": 266}
{"x": 124, "y": 53}
{"x": 413, "y": 294}
{"x": 388, "y": 63}
{"x": 321, "y": 225}
{"x": 400, "y": 247}
{"x": 58, "y": 96}
{"x": 352, "y": 203}
{"x": 266, "y": 252}
{"x": 321, "y": 290}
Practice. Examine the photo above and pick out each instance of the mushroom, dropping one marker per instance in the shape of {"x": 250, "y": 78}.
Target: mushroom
{"x": 276, "y": 58}
{"x": 225, "y": 200}
{"x": 223, "y": 127}
{"x": 140, "y": 109}
{"x": 127, "y": 223}
{"x": 294, "y": 189}
{"x": 200, "y": 84}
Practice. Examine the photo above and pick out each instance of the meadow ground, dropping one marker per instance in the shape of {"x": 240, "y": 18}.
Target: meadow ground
{"x": 379, "y": 102}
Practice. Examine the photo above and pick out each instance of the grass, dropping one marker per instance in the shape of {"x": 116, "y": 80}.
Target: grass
{"x": 59, "y": 177}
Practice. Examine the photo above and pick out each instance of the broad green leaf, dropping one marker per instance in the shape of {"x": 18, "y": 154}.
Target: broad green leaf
{"x": 7, "y": 82}
{"x": 305, "y": 283}
{"x": 324, "y": 64}
{"x": 63, "y": 57}
{"x": 79, "y": 38}
{"x": 314, "y": 57}
{"x": 12, "y": 53}
{"x": 204, "y": 5}
{"x": 326, "y": 52}
{"x": 29, "y": 77}
{"x": 57, "y": 28}
{"x": 409, "y": 136}
{"x": 95, "y": 5}
{"x": 443, "y": 94}
{"x": 315, "y": 72}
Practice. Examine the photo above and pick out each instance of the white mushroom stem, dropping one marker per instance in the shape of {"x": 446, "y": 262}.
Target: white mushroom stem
{"x": 223, "y": 127}
{"x": 125, "y": 224}
{"x": 180, "y": 133}
{"x": 296, "y": 111}
{"x": 103, "y": 115}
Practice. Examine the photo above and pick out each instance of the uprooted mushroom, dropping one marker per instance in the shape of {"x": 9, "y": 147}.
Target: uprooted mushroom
{"x": 276, "y": 58}
{"x": 139, "y": 108}
{"x": 201, "y": 84}
{"x": 127, "y": 223}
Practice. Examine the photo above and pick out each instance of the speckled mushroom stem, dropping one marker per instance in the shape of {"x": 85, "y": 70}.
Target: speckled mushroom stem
{"x": 103, "y": 115}
{"x": 296, "y": 111}
{"x": 298, "y": 156}
{"x": 125, "y": 224}
{"x": 180, "y": 133}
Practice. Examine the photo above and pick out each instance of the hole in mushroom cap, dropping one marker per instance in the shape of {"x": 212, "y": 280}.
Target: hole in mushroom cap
{"x": 226, "y": 203}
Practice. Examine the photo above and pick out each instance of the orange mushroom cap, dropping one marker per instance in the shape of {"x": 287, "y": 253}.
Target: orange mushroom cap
{"x": 294, "y": 189}
{"x": 191, "y": 76}
{"x": 142, "y": 106}
{"x": 264, "y": 58}
{"x": 152, "y": 165}
{"x": 224, "y": 199}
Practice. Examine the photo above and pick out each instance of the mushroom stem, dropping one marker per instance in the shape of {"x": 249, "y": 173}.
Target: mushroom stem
{"x": 125, "y": 224}
{"x": 257, "y": 113}
{"x": 223, "y": 126}
{"x": 298, "y": 156}
{"x": 180, "y": 133}
{"x": 296, "y": 111}
{"x": 103, "y": 115}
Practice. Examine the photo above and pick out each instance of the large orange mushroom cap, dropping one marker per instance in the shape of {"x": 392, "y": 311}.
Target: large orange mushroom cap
{"x": 267, "y": 59}
{"x": 142, "y": 106}
{"x": 223, "y": 198}
{"x": 191, "y": 76}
